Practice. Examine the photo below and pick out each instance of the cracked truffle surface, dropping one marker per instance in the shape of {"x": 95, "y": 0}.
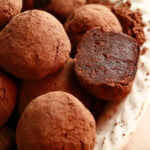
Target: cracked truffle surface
{"x": 8, "y": 9}
{"x": 56, "y": 121}
{"x": 33, "y": 45}
{"x": 86, "y": 17}
{"x": 106, "y": 63}
{"x": 8, "y": 92}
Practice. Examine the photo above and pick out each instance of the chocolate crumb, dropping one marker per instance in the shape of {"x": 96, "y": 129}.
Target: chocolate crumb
{"x": 145, "y": 79}
{"x": 147, "y": 74}
{"x": 123, "y": 134}
{"x": 143, "y": 51}
{"x": 131, "y": 21}
{"x": 142, "y": 64}
{"x": 103, "y": 142}
{"x": 148, "y": 29}
{"x": 116, "y": 123}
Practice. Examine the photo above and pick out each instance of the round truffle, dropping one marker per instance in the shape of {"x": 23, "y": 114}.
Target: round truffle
{"x": 8, "y": 92}
{"x": 56, "y": 121}
{"x": 33, "y": 45}
{"x": 86, "y": 17}
{"x": 8, "y": 9}
{"x": 106, "y": 63}
{"x": 7, "y": 138}
{"x": 60, "y": 8}
{"x": 64, "y": 80}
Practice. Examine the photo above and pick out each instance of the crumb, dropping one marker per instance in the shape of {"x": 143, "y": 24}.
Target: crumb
{"x": 123, "y": 134}
{"x": 142, "y": 65}
{"x": 148, "y": 29}
{"x": 143, "y": 51}
{"x": 116, "y": 124}
{"x": 147, "y": 74}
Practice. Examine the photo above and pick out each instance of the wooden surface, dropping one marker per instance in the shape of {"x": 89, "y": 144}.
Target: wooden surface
{"x": 141, "y": 138}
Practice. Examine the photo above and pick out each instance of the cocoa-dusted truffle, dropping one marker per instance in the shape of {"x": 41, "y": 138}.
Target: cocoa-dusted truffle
{"x": 64, "y": 80}
{"x": 7, "y": 138}
{"x": 89, "y": 16}
{"x": 8, "y": 92}
{"x": 106, "y": 63}
{"x": 8, "y": 9}
{"x": 33, "y": 45}
{"x": 60, "y": 8}
{"x": 56, "y": 121}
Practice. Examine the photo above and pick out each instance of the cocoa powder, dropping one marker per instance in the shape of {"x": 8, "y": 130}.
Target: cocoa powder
{"x": 131, "y": 21}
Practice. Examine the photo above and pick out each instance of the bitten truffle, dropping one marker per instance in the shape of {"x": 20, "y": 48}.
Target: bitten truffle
{"x": 33, "y": 45}
{"x": 86, "y": 17}
{"x": 8, "y": 92}
{"x": 64, "y": 80}
{"x": 106, "y": 63}
{"x": 56, "y": 121}
{"x": 8, "y": 9}
{"x": 7, "y": 138}
{"x": 60, "y": 8}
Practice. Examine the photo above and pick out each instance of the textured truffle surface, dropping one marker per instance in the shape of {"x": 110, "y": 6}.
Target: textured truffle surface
{"x": 33, "y": 45}
{"x": 8, "y": 9}
{"x": 7, "y": 138}
{"x": 60, "y": 8}
{"x": 64, "y": 80}
{"x": 56, "y": 121}
{"x": 8, "y": 92}
{"x": 86, "y": 17}
{"x": 106, "y": 63}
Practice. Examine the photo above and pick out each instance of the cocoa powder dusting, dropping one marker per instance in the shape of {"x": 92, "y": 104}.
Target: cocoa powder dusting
{"x": 131, "y": 21}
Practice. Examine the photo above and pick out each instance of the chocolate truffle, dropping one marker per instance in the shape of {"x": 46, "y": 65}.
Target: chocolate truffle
{"x": 56, "y": 121}
{"x": 89, "y": 16}
{"x": 8, "y": 92}
{"x": 33, "y": 45}
{"x": 63, "y": 80}
{"x": 106, "y": 63}
{"x": 7, "y": 138}
{"x": 60, "y": 8}
{"x": 8, "y": 9}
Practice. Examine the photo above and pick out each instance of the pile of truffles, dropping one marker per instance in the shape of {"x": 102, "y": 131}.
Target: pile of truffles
{"x": 55, "y": 78}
